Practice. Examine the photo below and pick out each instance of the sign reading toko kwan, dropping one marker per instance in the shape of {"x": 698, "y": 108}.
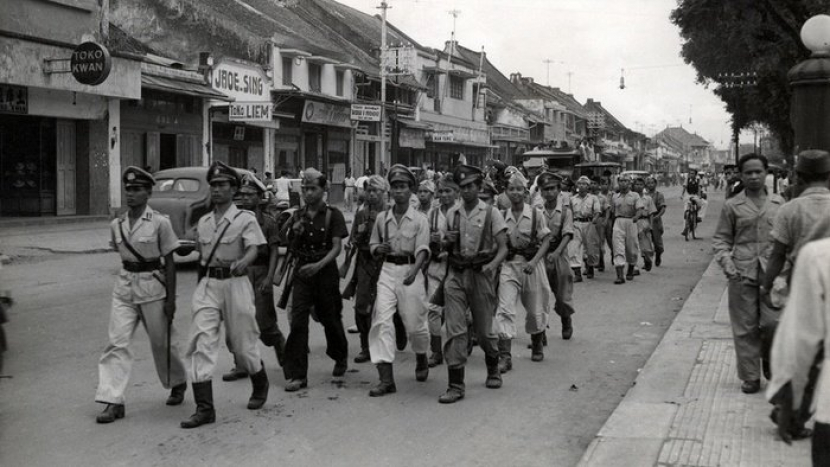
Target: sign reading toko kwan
{"x": 250, "y": 111}
{"x": 90, "y": 63}
{"x": 365, "y": 113}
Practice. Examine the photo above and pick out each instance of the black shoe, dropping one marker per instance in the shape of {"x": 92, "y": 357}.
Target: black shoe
{"x": 577, "y": 275}
{"x": 111, "y": 413}
{"x": 658, "y": 259}
{"x": 340, "y": 368}
{"x": 296, "y": 384}
{"x": 647, "y": 265}
{"x": 537, "y": 353}
{"x": 751, "y": 387}
{"x": 437, "y": 356}
{"x": 203, "y": 395}
{"x": 505, "y": 358}
{"x": 590, "y": 273}
{"x": 493, "y": 376}
{"x": 177, "y": 394}
{"x": 387, "y": 381}
{"x": 260, "y": 390}
{"x": 629, "y": 275}
{"x": 567, "y": 327}
{"x": 421, "y": 367}
{"x": 234, "y": 375}
{"x": 400, "y": 332}
{"x": 455, "y": 391}
{"x": 362, "y": 357}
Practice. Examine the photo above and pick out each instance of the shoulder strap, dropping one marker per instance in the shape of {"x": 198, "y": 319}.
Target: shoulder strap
{"x": 219, "y": 239}
{"x": 486, "y": 229}
{"x": 532, "y": 224}
{"x": 386, "y": 224}
{"x": 128, "y": 245}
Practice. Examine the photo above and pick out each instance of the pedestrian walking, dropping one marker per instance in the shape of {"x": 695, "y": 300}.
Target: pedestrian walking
{"x": 349, "y": 194}
{"x": 644, "y": 228}
{"x": 144, "y": 292}
{"x": 477, "y": 245}
{"x": 522, "y": 276}
{"x": 367, "y": 267}
{"x": 261, "y": 273}
{"x": 437, "y": 269}
{"x": 401, "y": 238}
{"x": 583, "y": 250}
{"x": 314, "y": 234}
{"x": 229, "y": 241}
{"x": 742, "y": 247}
{"x": 626, "y": 210}
{"x": 657, "y": 219}
{"x": 559, "y": 219}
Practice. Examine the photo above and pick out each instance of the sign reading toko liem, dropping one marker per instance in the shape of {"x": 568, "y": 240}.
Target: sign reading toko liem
{"x": 90, "y": 63}
{"x": 365, "y": 113}
{"x": 250, "y": 111}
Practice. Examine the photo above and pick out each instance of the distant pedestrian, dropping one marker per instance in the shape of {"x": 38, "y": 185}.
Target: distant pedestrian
{"x": 644, "y": 228}
{"x": 626, "y": 209}
{"x": 559, "y": 218}
{"x": 349, "y": 193}
{"x": 657, "y": 219}
{"x": 584, "y": 249}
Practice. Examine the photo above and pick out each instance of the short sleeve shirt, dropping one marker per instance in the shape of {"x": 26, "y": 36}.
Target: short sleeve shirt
{"x": 243, "y": 231}
{"x": 626, "y": 205}
{"x": 519, "y": 231}
{"x": 408, "y": 237}
{"x": 803, "y": 220}
{"x": 471, "y": 227}
{"x": 312, "y": 237}
{"x": 560, "y": 221}
{"x": 585, "y": 207}
{"x": 270, "y": 230}
{"x": 151, "y": 235}
{"x": 658, "y": 199}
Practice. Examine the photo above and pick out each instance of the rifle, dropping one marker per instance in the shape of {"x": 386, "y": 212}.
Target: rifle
{"x": 288, "y": 271}
{"x": 347, "y": 264}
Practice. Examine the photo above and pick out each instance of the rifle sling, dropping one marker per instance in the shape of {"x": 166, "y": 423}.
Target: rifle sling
{"x": 125, "y": 239}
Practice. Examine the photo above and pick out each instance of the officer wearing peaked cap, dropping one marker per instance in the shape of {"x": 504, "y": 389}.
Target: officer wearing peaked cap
{"x": 229, "y": 241}
{"x": 145, "y": 292}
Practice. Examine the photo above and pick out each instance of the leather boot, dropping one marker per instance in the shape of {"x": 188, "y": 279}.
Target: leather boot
{"x": 601, "y": 266}
{"x": 259, "y": 395}
{"x": 203, "y": 395}
{"x": 647, "y": 263}
{"x": 590, "y": 273}
{"x": 363, "y": 356}
{"x": 235, "y": 374}
{"x": 387, "y": 381}
{"x": 177, "y": 394}
{"x": 577, "y": 274}
{"x": 455, "y": 390}
{"x": 505, "y": 359}
{"x": 538, "y": 352}
{"x": 629, "y": 275}
{"x": 421, "y": 367}
{"x": 279, "y": 349}
{"x": 400, "y": 332}
{"x": 111, "y": 413}
{"x": 567, "y": 327}
{"x": 493, "y": 375}
{"x": 620, "y": 279}
{"x": 658, "y": 259}
{"x": 437, "y": 356}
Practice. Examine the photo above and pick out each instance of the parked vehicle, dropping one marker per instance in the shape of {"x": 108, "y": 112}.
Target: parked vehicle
{"x": 596, "y": 169}
{"x": 561, "y": 161}
{"x": 634, "y": 174}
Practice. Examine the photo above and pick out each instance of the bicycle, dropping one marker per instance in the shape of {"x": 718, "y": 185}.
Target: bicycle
{"x": 691, "y": 220}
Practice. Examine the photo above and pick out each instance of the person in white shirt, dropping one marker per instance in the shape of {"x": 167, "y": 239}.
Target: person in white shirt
{"x": 349, "y": 195}
{"x": 283, "y": 186}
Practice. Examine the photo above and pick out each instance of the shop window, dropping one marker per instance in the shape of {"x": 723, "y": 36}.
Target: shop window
{"x": 339, "y": 88}
{"x": 457, "y": 87}
{"x": 432, "y": 86}
{"x": 287, "y": 71}
{"x": 315, "y": 72}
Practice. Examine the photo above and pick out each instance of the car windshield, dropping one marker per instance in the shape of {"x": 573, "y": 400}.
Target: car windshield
{"x": 185, "y": 185}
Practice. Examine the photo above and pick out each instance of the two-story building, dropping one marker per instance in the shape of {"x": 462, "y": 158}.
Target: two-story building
{"x": 608, "y": 135}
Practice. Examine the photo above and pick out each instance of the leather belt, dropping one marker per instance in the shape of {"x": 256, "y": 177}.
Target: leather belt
{"x": 408, "y": 259}
{"x": 583, "y": 219}
{"x": 219, "y": 272}
{"x": 623, "y": 217}
{"x": 141, "y": 266}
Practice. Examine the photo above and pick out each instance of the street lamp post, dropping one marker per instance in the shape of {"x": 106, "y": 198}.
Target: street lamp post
{"x": 810, "y": 82}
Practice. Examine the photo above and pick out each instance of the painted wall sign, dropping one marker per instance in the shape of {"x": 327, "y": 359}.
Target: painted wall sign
{"x": 242, "y": 82}
{"x": 327, "y": 114}
{"x": 14, "y": 99}
{"x": 90, "y": 63}
{"x": 365, "y": 113}
{"x": 442, "y": 137}
{"x": 250, "y": 111}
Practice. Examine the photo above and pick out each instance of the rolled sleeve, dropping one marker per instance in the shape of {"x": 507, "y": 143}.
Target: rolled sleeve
{"x": 168, "y": 241}
{"x": 497, "y": 223}
{"x": 567, "y": 222}
{"x": 422, "y": 237}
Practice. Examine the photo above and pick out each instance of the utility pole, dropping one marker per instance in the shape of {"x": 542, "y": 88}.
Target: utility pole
{"x": 547, "y": 62}
{"x": 570, "y": 73}
{"x": 384, "y": 163}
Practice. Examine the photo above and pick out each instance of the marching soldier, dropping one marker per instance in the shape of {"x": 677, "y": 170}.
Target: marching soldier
{"x": 585, "y": 244}
{"x": 426, "y": 191}
{"x": 626, "y": 210}
{"x": 437, "y": 269}
{"x": 145, "y": 292}
{"x": 229, "y": 241}
{"x": 367, "y": 267}
{"x": 261, "y": 272}
{"x": 522, "y": 275}
{"x": 315, "y": 233}
{"x": 559, "y": 219}
{"x": 602, "y": 222}
{"x": 644, "y": 228}
{"x": 657, "y": 219}
{"x": 401, "y": 237}
{"x": 477, "y": 245}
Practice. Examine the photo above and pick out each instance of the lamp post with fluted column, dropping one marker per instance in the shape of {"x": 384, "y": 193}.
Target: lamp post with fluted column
{"x": 810, "y": 82}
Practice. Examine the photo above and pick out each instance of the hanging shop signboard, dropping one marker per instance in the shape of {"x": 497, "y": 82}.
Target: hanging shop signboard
{"x": 327, "y": 114}
{"x": 442, "y": 136}
{"x": 365, "y": 113}
{"x": 90, "y": 63}
{"x": 245, "y": 83}
{"x": 250, "y": 111}
{"x": 14, "y": 99}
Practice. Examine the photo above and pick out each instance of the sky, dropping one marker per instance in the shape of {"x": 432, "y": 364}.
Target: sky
{"x": 595, "y": 40}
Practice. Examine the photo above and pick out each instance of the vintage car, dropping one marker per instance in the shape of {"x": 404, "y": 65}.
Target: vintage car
{"x": 183, "y": 194}
{"x": 635, "y": 174}
{"x": 596, "y": 169}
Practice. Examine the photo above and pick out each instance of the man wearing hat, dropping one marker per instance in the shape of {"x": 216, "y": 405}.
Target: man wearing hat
{"x": 261, "y": 272}
{"x": 585, "y": 244}
{"x": 229, "y": 240}
{"x": 426, "y": 192}
{"x": 367, "y": 266}
{"x": 559, "y": 219}
{"x": 437, "y": 269}
{"x": 522, "y": 275}
{"x": 644, "y": 228}
{"x": 315, "y": 234}
{"x": 401, "y": 238}
{"x": 477, "y": 245}
{"x": 145, "y": 292}
{"x": 488, "y": 192}
{"x": 657, "y": 219}
{"x": 626, "y": 209}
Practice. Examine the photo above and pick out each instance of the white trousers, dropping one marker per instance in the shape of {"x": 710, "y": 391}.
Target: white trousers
{"x": 409, "y": 301}
{"x": 532, "y": 289}
{"x": 625, "y": 241}
{"x": 230, "y": 301}
{"x": 117, "y": 361}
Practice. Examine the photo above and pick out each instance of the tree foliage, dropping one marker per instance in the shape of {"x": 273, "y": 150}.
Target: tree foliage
{"x": 741, "y": 36}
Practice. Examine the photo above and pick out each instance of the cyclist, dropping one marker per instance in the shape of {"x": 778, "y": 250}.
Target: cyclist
{"x": 696, "y": 194}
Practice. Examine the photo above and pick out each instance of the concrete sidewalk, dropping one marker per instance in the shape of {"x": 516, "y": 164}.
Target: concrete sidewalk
{"x": 686, "y": 408}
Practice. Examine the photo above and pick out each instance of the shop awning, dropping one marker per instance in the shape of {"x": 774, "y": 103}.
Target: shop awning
{"x": 182, "y": 87}
{"x": 413, "y": 124}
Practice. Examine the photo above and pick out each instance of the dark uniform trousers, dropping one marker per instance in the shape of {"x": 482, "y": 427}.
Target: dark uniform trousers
{"x": 266, "y": 312}
{"x": 474, "y": 289}
{"x": 367, "y": 269}
{"x": 561, "y": 280}
{"x": 322, "y": 292}
{"x": 657, "y": 234}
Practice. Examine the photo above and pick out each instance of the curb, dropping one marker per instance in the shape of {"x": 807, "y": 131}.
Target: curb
{"x": 635, "y": 432}
{"x": 35, "y": 221}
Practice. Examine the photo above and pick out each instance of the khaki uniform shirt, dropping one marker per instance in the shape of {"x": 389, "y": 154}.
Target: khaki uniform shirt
{"x": 585, "y": 207}
{"x": 519, "y": 230}
{"x": 152, "y": 236}
{"x": 803, "y": 220}
{"x": 243, "y": 232}
{"x": 560, "y": 221}
{"x": 471, "y": 228}
{"x": 626, "y": 205}
{"x": 407, "y": 238}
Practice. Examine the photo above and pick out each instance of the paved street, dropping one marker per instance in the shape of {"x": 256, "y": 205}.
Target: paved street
{"x": 546, "y": 414}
